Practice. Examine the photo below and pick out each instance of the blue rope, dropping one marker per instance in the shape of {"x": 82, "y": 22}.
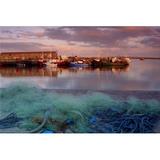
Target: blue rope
{"x": 9, "y": 121}
{"x": 109, "y": 121}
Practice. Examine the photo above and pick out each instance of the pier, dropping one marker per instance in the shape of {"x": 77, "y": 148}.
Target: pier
{"x": 20, "y": 63}
{"x": 26, "y": 59}
{"x": 31, "y": 59}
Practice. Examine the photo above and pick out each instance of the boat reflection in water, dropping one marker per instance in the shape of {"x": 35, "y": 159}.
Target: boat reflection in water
{"x": 53, "y": 71}
{"x": 28, "y": 72}
{"x": 114, "y": 69}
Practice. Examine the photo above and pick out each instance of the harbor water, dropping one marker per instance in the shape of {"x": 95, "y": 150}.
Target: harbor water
{"x": 140, "y": 75}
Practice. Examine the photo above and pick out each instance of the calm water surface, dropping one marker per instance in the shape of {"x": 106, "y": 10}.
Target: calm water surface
{"x": 140, "y": 75}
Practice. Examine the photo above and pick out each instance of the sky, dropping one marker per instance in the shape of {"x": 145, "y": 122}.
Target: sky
{"x": 83, "y": 41}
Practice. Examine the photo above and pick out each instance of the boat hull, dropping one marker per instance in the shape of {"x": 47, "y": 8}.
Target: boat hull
{"x": 63, "y": 64}
{"x": 106, "y": 64}
{"x": 78, "y": 65}
{"x": 51, "y": 65}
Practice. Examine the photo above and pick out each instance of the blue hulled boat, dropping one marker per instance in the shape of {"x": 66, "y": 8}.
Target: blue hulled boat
{"x": 78, "y": 64}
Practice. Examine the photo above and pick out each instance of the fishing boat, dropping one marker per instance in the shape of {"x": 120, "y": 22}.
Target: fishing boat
{"x": 114, "y": 61}
{"x": 78, "y": 64}
{"x": 21, "y": 65}
{"x": 51, "y": 63}
{"x": 141, "y": 59}
{"x": 63, "y": 64}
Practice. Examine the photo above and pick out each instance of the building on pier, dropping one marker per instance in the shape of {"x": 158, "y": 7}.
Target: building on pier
{"x": 28, "y": 55}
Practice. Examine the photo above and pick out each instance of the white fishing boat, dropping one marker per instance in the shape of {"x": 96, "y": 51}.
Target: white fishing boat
{"x": 128, "y": 60}
{"x": 51, "y": 63}
{"x": 121, "y": 60}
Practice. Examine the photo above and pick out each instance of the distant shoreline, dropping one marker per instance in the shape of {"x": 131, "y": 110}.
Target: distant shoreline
{"x": 156, "y": 58}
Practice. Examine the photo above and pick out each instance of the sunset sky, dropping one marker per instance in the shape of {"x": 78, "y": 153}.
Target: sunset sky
{"x": 83, "y": 41}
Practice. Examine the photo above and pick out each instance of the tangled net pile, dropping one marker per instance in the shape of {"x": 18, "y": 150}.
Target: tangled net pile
{"x": 116, "y": 122}
{"x": 93, "y": 112}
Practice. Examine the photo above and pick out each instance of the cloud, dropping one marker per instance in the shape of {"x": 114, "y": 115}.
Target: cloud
{"x": 21, "y": 46}
{"x": 101, "y": 36}
{"x": 152, "y": 41}
{"x": 16, "y": 33}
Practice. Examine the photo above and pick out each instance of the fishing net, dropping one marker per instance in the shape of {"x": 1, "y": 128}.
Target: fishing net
{"x": 92, "y": 112}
